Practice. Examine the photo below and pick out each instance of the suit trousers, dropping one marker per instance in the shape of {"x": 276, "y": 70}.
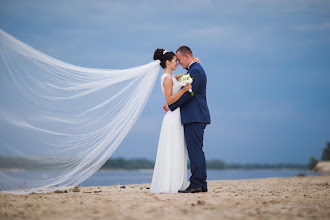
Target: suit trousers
{"x": 194, "y": 134}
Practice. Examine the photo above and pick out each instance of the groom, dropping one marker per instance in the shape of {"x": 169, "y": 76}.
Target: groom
{"x": 194, "y": 116}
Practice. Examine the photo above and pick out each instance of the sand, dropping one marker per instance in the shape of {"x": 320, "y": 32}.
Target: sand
{"x": 271, "y": 198}
{"x": 322, "y": 166}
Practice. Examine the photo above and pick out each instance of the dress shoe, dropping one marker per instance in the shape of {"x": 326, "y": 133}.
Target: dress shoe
{"x": 191, "y": 190}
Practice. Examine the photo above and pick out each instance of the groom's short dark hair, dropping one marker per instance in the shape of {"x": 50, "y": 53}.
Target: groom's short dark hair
{"x": 185, "y": 50}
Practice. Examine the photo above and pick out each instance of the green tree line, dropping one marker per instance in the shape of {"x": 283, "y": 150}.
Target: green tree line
{"x": 131, "y": 164}
{"x": 121, "y": 163}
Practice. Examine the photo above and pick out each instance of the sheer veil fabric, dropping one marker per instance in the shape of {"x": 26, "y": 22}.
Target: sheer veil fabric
{"x": 63, "y": 118}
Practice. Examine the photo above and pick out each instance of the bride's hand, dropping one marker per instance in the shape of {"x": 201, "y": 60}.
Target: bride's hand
{"x": 165, "y": 108}
{"x": 187, "y": 87}
{"x": 196, "y": 59}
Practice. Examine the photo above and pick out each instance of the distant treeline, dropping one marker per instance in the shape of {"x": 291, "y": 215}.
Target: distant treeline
{"x": 130, "y": 164}
{"x": 17, "y": 163}
{"x": 30, "y": 163}
{"x": 215, "y": 164}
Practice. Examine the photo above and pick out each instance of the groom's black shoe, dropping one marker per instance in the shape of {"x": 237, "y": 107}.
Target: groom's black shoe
{"x": 191, "y": 190}
{"x": 204, "y": 189}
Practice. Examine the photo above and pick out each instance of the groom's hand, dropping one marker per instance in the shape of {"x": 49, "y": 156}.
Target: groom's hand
{"x": 165, "y": 108}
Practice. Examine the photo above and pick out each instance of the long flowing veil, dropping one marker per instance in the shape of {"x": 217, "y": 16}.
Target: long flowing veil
{"x": 62, "y": 118}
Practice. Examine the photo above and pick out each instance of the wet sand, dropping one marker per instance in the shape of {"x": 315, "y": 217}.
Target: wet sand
{"x": 271, "y": 198}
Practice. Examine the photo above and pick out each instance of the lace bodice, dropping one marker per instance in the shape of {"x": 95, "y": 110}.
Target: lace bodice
{"x": 176, "y": 86}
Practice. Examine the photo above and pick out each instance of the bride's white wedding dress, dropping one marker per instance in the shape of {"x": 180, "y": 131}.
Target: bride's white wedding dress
{"x": 170, "y": 171}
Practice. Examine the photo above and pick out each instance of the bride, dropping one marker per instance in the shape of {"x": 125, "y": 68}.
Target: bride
{"x": 170, "y": 171}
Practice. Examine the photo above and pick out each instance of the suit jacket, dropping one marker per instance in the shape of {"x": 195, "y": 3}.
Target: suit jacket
{"x": 194, "y": 108}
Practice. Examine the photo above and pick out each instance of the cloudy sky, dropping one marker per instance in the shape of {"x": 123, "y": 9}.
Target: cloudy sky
{"x": 267, "y": 64}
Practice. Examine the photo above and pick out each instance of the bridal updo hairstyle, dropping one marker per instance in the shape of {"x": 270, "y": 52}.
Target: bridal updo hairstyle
{"x": 160, "y": 55}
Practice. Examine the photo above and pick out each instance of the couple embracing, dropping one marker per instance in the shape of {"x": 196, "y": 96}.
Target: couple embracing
{"x": 183, "y": 126}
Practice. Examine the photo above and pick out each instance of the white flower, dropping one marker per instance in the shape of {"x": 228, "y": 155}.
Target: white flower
{"x": 183, "y": 80}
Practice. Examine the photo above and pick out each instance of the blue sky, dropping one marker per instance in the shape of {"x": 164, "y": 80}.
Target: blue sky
{"x": 267, "y": 64}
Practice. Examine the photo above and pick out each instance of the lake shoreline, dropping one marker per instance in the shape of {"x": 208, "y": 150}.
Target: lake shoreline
{"x": 150, "y": 170}
{"x": 268, "y": 198}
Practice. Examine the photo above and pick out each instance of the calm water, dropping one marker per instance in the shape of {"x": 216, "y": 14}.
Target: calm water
{"x": 106, "y": 178}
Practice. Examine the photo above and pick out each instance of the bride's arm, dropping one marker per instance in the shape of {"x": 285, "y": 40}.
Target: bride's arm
{"x": 196, "y": 59}
{"x": 168, "y": 84}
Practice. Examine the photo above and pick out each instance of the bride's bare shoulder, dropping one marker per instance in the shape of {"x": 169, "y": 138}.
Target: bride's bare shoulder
{"x": 166, "y": 76}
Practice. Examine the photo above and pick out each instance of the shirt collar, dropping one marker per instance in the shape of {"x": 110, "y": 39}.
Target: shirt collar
{"x": 190, "y": 64}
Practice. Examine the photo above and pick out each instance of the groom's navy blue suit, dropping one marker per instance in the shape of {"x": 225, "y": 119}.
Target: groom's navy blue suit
{"x": 195, "y": 116}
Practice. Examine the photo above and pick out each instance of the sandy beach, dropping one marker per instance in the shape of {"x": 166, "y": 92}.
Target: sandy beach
{"x": 271, "y": 198}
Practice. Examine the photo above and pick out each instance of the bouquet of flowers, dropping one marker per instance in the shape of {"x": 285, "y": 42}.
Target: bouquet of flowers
{"x": 183, "y": 80}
